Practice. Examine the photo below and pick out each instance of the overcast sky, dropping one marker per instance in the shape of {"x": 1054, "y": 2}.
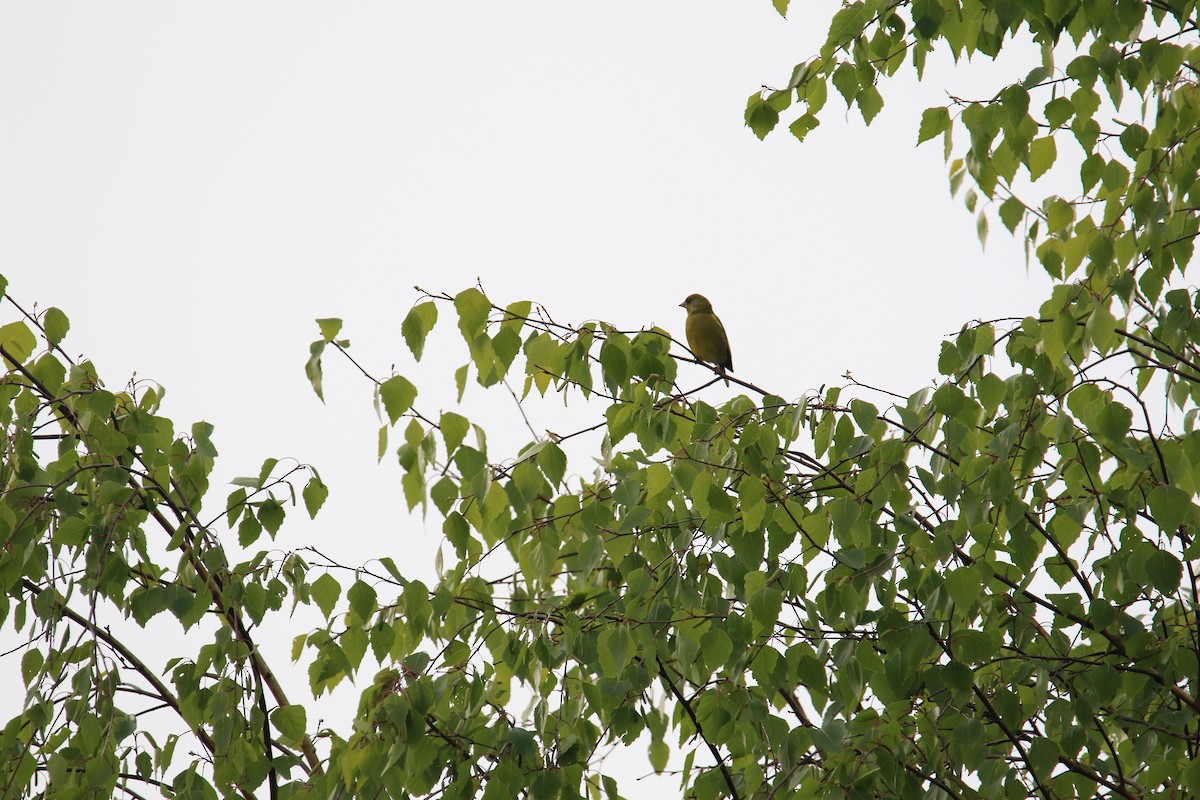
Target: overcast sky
{"x": 194, "y": 184}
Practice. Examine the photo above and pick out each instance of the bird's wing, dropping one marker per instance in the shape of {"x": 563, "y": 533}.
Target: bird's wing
{"x": 728, "y": 350}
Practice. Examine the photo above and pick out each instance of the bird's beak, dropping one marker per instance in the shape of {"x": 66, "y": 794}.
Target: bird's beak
{"x": 683, "y": 305}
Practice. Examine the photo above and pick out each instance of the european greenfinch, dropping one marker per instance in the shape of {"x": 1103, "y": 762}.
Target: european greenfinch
{"x": 706, "y": 335}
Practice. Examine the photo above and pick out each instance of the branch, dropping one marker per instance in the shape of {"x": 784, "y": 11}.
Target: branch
{"x": 184, "y": 514}
{"x": 712, "y": 748}
{"x": 139, "y": 666}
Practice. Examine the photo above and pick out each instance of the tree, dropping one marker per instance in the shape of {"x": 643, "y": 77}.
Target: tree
{"x": 981, "y": 588}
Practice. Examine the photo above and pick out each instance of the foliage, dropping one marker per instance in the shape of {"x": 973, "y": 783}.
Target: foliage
{"x": 981, "y": 588}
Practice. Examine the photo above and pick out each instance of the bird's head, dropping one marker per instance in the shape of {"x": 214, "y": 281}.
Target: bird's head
{"x": 697, "y": 304}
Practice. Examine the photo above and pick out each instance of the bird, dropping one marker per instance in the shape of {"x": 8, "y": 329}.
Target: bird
{"x": 706, "y": 335}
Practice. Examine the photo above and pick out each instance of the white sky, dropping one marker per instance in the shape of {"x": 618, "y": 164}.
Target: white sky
{"x": 194, "y": 184}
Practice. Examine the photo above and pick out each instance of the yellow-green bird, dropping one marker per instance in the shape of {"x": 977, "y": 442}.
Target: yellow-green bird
{"x": 706, "y": 335}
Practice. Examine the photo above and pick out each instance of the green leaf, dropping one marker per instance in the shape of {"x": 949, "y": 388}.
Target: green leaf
{"x": 1012, "y": 211}
{"x": 1036, "y": 76}
{"x": 829, "y": 737}
{"x": 966, "y": 739}
{"x": 1043, "y": 754}
{"x": 804, "y": 71}
{"x": 865, "y": 415}
{"x": 1112, "y": 422}
{"x": 615, "y": 651}
{"x": 1133, "y": 140}
{"x": 413, "y": 483}
{"x": 56, "y": 325}
{"x": 948, "y": 399}
{"x": 264, "y": 472}
{"x": 1042, "y": 154}
{"x": 460, "y": 380}
{"x": 1015, "y": 102}
{"x": 1091, "y": 171}
{"x": 315, "y": 492}
{"x": 249, "y": 530}
{"x": 1116, "y": 176}
{"x": 1058, "y": 111}
{"x": 553, "y": 463}
{"x": 927, "y": 17}
{"x": 1171, "y": 507}
{"x": 815, "y": 93}
{"x": 330, "y": 327}
{"x": 752, "y": 494}
{"x": 325, "y": 592}
{"x": 416, "y": 327}
{"x": 1165, "y": 571}
{"x": 1102, "y": 328}
{"x": 780, "y": 99}
{"x": 515, "y": 315}
{"x": 659, "y": 751}
{"x": 473, "y": 307}
{"x": 291, "y": 722}
{"x": 973, "y": 647}
{"x": 363, "y": 602}
{"x": 1059, "y": 214}
{"x": 847, "y": 24}
{"x": 870, "y": 103}
{"x": 765, "y": 607}
{"x": 991, "y": 390}
{"x": 782, "y": 7}
{"x": 16, "y": 338}
{"x": 443, "y": 493}
{"x": 803, "y": 125}
{"x": 398, "y": 395}
{"x": 313, "y": 367}
{"x": 234, "y": 504}
{"x": 761, "y": 116}
{"x": 845, "y": 80}
{"x": 1191, "y": 776}
{"x": 1084, "y": 69}
{"x": 716, "y": 646}
{"x": 614, "y": 361}
{"x": 525, "y": 743}
{"x": 1058, "y": 335}
{"x": 454, "y": 429}
{"x": 950, "y": 359}
{"x": 933, "y": 121}
{"x": 964, "y": 585}
{"x": 271, "y": 514}
{"x": 31, "y": 665}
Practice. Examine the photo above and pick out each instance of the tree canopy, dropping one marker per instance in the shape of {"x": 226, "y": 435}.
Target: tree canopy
{"x": 981, "y": 588}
